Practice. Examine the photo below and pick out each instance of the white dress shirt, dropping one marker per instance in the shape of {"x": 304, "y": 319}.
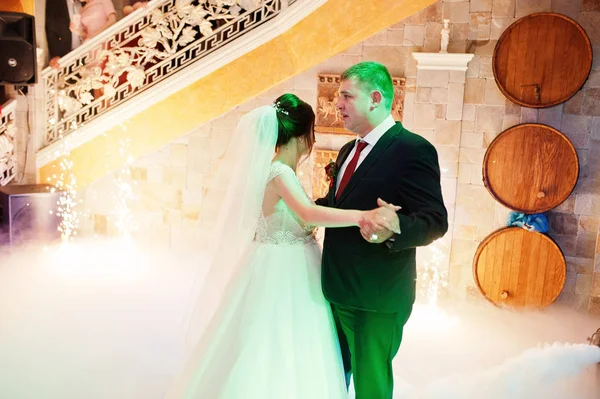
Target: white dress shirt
{"x": 371, "y": 139}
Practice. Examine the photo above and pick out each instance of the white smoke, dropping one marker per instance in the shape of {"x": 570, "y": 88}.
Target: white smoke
{"x": 482, "y": 352}
{"x": 106, "y": 320}
{"x": 541, "y": 372}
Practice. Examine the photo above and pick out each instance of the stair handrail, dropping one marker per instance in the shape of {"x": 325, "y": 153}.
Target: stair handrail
{"x": 140, "y": 51}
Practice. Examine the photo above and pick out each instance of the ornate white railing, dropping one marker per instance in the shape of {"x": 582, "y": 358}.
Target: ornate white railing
{"x": 8, "y": 131}
{"x": 141, "y": 51}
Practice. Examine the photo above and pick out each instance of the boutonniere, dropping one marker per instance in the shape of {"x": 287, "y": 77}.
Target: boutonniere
{"x": 331, "y": 169}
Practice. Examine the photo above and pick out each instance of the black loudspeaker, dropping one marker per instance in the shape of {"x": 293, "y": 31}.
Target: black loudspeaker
{"x": 28, "y": 214}
{"x": 18, "y": 64}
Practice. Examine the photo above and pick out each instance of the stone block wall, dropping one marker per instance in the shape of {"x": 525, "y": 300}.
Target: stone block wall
{"x": 459, "y": 114}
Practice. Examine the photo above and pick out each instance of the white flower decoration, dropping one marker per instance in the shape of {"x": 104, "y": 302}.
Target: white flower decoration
{"x": 123, "y": 59}
{"x": 187, "y": 36}
{"x": 112, "y": 66}
{"x": 206, "y": 28}
{"x": 197, "y": 15}
{"x": 165, "y": 31}
{"x": 86, "y": 98}
{"x": 235, "y": 10}
{"x": 109, "y": 90}
{"x": 68, "y": 105}
{"x": 136, "y": 77}
{"x": 184, "y": 8}
{"x": 157, "y": 16}
{"x": 150, "y": 37}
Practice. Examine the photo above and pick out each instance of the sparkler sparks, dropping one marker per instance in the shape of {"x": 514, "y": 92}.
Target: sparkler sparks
{"x": 124, "y": 193}
{"x": 431, "y": 280}
{"x": 66, "y": 183}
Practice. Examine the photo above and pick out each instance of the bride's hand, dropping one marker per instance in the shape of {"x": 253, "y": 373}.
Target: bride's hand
{"x": 382, "y": 218}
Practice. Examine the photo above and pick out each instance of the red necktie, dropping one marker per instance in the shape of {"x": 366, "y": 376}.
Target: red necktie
{"x": 351, "y": 167}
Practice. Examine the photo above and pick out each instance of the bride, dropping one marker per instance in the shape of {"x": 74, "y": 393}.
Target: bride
{"x": 272, "y": 335}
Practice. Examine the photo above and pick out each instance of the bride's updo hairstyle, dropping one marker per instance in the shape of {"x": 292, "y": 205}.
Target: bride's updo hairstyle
{"x": 296, "y": 119}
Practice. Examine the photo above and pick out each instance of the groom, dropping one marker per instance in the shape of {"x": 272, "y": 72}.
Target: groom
{"x": 370, "y": 280}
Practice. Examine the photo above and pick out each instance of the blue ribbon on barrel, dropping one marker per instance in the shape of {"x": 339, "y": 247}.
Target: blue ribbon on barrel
{"x": 534, "y": 222}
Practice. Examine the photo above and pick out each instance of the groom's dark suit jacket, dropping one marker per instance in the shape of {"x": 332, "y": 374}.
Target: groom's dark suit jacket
{"x": 401, "y": 169}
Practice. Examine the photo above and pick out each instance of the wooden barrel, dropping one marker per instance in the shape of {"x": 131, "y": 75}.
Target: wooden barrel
{"x": 542, "y": 60}
{"x": 530, "y": 168}
{"x": 518, "y": 268}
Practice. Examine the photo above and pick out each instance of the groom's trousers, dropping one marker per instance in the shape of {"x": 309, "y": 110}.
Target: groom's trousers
{"x": 369, "y": 341}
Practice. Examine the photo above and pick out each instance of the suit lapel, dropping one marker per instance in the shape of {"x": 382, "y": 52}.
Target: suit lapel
{"x": 382, "y": 144}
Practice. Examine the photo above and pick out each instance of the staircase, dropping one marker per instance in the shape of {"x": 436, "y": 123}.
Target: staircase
{"x": 178, "y": 64}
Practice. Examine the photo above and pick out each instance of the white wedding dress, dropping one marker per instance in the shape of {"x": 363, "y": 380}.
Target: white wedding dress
{"x": 273, "y": 337}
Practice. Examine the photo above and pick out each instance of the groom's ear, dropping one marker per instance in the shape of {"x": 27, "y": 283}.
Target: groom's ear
{"x": 376, "y": 98}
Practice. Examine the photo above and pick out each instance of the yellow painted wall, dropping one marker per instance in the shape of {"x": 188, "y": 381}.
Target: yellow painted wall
{"x": 25, "y": 6}
{"x": 332, "y": 28}
{"x": 28, "y": 6}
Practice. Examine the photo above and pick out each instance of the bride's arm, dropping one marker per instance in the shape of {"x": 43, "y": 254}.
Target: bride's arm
{"x": 287, "y": 187}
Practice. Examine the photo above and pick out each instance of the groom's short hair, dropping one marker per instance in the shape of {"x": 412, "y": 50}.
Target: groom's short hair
{"x": 372, "y": 76}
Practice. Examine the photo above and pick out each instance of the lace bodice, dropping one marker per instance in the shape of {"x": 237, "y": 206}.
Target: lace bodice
{"x": 282, "y": 226}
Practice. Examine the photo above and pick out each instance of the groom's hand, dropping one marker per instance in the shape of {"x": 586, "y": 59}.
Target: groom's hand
{"x": 389, "y": 218}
